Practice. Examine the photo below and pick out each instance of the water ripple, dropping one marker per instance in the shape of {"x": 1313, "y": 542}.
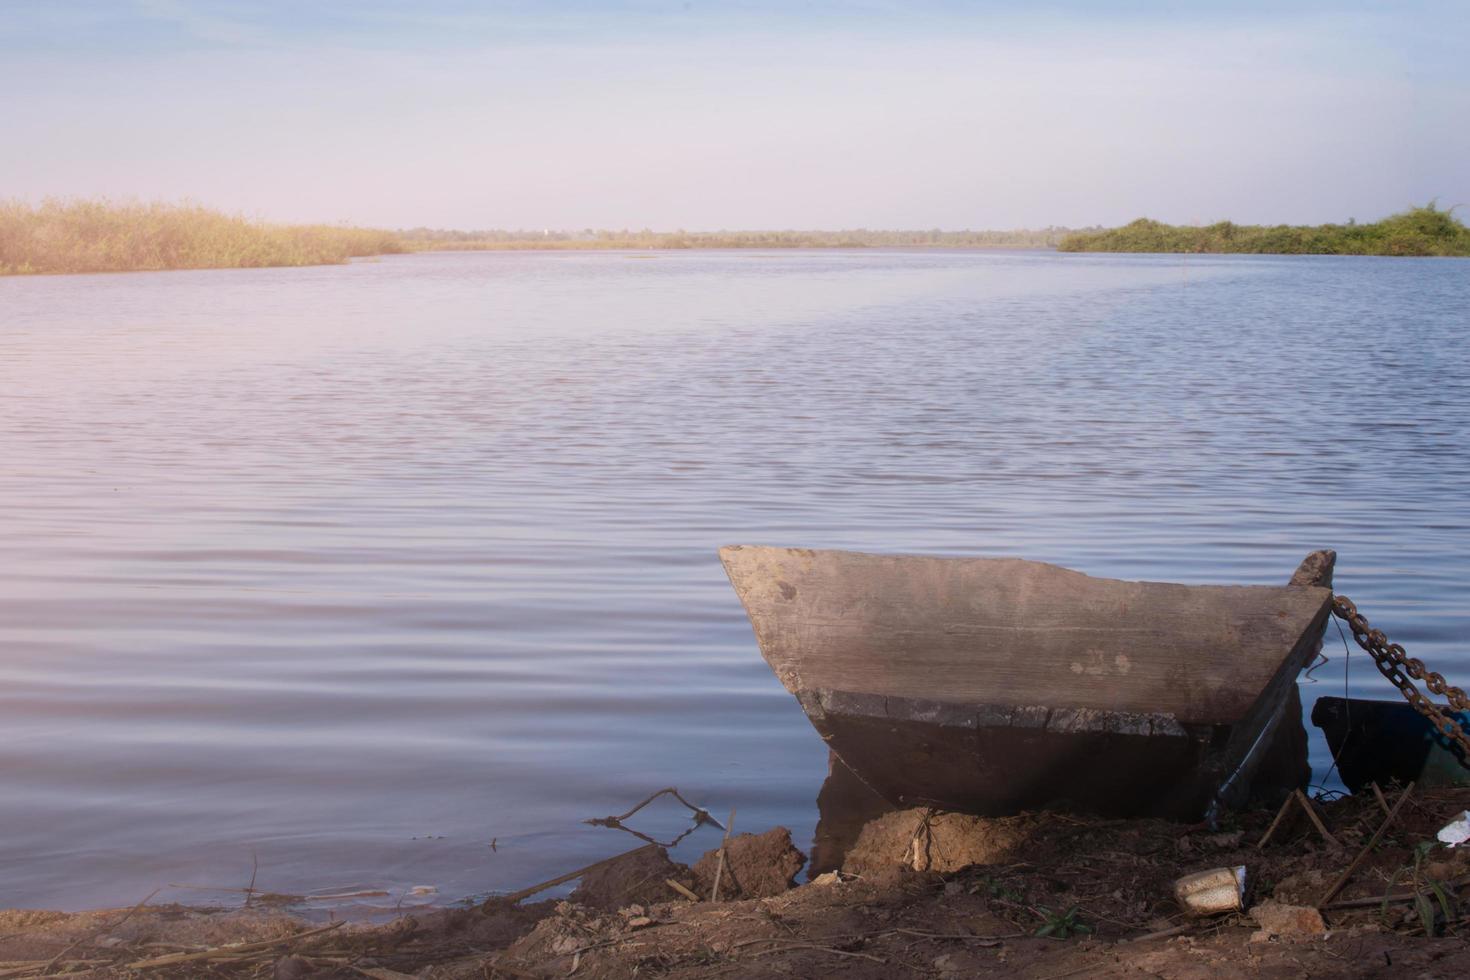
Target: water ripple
{"x": 322, "y": 564}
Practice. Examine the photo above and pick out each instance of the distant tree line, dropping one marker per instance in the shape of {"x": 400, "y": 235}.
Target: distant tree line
{"x": 588, "y": 238}
{"x": 1423, "y": 230}
{"x": 104, "y": 236}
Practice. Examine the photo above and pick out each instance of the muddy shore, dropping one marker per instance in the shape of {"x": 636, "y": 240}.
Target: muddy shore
{"x": 919, "y": 895}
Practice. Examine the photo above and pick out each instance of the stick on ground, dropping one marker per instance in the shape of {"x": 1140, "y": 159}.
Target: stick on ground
{"x": 720, "y": 867}
{"x": 514, "y": 897}
{"x": 230, "y": 952}
{"x": 107, "y": 928}
{"x": 1342, "y": 879}
{"x": 1316, "y": 820}
{"x": 1373, "y": 901}
{"x": 681, "y": 889}
{"x": 1280, "y": 816}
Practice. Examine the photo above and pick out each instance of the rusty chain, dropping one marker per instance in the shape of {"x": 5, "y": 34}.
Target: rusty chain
{"x": 1402, "y": 670}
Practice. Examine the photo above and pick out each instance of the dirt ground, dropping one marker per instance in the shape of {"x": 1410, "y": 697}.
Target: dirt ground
{"x": 929, "y": 895}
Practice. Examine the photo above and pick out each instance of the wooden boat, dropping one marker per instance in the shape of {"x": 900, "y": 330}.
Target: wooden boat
{"x": 1388, "y": 742}
{"x": 993, "y": 686}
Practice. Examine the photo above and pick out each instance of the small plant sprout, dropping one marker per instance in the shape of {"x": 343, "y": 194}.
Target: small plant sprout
{"x": 1063, "y": 925}
{"x": 1432, "y": 900}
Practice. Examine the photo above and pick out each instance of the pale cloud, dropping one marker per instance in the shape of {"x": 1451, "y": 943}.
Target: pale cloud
{"x": 204, "y": 22}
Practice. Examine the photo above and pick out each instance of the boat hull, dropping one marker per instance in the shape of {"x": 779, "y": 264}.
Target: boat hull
{"x": 991, "y": 761}
{"x": 993, "y": 686}
{"x": 1387, "y": 742}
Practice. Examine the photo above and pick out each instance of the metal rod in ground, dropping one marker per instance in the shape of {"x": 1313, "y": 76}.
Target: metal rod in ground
{"x": 720, "y": 866}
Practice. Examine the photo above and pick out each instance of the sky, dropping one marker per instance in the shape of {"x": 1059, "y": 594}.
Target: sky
{"x": 741, "y": 115}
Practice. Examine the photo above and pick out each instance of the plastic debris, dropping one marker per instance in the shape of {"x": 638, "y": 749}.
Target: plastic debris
{"x": 1457, "y": 831}
{"x": 1212, "y": 892}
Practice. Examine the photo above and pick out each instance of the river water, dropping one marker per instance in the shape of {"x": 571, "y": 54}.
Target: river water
{"x": 338, "y": 576}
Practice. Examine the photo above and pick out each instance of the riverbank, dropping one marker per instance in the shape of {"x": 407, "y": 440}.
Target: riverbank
{"x": 1425, "y": 231}
{"x": 81, "y": 236}
{"x": 920, "y": 896}
{"x": 428, "y": 239}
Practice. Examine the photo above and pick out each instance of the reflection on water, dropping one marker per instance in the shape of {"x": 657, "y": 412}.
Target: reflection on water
{"x": 354, "y": 571}
{"x": 844, "y": 805}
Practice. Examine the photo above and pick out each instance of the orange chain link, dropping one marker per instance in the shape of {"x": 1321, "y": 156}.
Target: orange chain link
{"x": 1402, "y": 670}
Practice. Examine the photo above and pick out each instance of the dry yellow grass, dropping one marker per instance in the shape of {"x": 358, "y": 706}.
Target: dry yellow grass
{"x": 107, "y": 236}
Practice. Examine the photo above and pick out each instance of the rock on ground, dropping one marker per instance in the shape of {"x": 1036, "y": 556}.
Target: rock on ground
{"x": 1276, "y": 919}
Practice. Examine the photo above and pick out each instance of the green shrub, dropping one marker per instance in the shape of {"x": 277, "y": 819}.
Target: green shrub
{"x": 1418, "y": 231}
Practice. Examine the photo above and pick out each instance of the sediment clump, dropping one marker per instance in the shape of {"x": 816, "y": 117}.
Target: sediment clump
{"x": 639, "y": 878}
{"x": 1037, "y": 895}
{"x": 756, "y": 866}
{"x": 923, "y": 840}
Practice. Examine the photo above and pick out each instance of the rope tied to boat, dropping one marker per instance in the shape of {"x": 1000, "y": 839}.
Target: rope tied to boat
{"x": 1402, "y": 670}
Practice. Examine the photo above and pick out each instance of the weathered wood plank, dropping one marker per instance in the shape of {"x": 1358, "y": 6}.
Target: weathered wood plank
{"x": 1010, "y": 631}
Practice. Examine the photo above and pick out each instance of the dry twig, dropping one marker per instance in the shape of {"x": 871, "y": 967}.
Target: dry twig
{"x": 982, "y": 940}
{"x": 107, "y": 928}
{"x": 231, "y": 952}
{"x": 720, "y": 866}
{"x": 1297, "y": 798}
{"x": 1161, "y": 933}
{"x": 701, "y": 817}
{"x": 1342, "y": 879}
{"x": 562, "y": 879}
{"x": 787, "y": 945}
{"x": 681, "y": 889}
{"x": 1316, "y": 820}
